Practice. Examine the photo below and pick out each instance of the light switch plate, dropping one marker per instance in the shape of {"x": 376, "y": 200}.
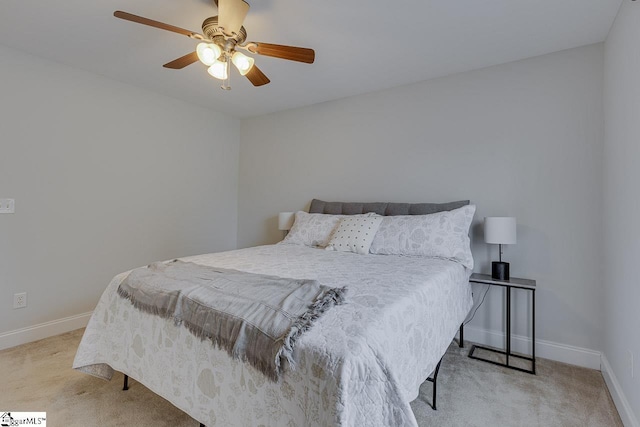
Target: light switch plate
{"x": 7, "y": 206}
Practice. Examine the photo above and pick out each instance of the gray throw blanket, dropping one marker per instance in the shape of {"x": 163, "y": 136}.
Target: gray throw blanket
{"x": 255, "y": 318}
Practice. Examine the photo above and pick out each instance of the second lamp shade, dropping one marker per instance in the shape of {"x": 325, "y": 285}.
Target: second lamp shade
{"x": 285, "y": 220}
{"x": 500, "y": 230}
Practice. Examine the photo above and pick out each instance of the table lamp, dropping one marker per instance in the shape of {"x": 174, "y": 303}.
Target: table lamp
{"x": 285, "y": 221}
{"x": 500, "y": 230}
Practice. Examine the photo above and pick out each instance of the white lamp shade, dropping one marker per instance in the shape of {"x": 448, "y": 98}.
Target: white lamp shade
{"x": 500, "y": 230}
{"x": 285, "y": 220}
{"x": 208, "y": 53}
{"x": 242, "y": 62}
{"x": 219, "y": 70}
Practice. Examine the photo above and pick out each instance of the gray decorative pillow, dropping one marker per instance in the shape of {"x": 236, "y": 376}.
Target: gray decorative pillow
{"x": 355, "y": 234}
{"x": 443, "y": 235}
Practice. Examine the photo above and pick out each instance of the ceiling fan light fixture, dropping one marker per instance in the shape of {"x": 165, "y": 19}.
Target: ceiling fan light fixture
{"x": 223, "y": 34}
{"x": 208, "y": 53}
{"x": 242, "y": 62}
{"x": 219, "y": 70}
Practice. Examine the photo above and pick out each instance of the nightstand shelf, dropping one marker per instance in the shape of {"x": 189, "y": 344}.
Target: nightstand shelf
{"x": 513, "y": 283}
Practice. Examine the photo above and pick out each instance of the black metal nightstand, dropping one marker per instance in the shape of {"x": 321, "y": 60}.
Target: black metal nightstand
{"x": 526, "y": 284}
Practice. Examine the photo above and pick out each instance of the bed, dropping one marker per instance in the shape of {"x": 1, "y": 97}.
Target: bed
{"x": 359, "y": 365}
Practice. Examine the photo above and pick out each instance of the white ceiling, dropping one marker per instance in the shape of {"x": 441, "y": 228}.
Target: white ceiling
{"x": 361, "y": 45}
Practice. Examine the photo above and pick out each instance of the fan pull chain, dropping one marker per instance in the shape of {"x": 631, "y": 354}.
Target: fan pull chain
{"x": 226, "y": 83}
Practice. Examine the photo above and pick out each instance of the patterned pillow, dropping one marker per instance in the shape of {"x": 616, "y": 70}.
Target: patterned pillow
{"x": 355, "y": 234}
{"x": 312, "y": 229}
{"x": 443, "y": 235}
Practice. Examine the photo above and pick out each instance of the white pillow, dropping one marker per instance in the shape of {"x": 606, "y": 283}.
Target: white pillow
{"x": 442, "y": 234}
{"x": 312, "y": 229}
{"x": 355, "y": 234}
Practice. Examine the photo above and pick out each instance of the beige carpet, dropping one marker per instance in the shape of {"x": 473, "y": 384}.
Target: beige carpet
{"x": 38, "y": 377}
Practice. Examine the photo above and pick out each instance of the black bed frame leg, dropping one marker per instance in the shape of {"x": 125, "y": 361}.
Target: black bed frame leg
{"x": 461, "y": 341}
{"x": 125, "y": 387}
{"x": 434, "y": 380}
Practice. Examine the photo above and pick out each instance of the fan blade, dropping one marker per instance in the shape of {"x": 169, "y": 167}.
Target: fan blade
{"x": 183, "y": 61}
{"x": 257, "y": 77}
{"x": 231, "y": 14}
{"x": 300, "y": 54}
{"x": 150, "y": 22}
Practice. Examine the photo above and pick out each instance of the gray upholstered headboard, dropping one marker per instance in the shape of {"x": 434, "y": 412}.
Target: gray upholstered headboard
{"x": 382, "y": 208}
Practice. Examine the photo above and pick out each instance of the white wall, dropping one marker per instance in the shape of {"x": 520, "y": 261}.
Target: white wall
{"x": 622, "y": 204}
{"x": 521, "y": 139}
{"x": 106, "y": 177}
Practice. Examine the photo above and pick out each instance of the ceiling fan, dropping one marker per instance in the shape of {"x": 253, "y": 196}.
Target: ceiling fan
{"x": 224, "y": 37}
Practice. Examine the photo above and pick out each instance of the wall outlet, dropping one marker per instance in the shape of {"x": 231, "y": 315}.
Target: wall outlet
{"x": 7, "y": 206}
{"x": 20, "y": 300}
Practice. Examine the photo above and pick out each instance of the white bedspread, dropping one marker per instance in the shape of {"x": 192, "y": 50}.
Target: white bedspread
{"x": 360, "y": 365}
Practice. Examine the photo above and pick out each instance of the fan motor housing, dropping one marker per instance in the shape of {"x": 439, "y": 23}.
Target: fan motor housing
{"x": 213, "y": 32}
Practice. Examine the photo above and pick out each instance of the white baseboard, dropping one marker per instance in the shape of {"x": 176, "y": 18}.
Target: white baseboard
{"x": 43, "y": 330}
{"x": 545, "y": 349}
{"x": 622, "y": 404}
